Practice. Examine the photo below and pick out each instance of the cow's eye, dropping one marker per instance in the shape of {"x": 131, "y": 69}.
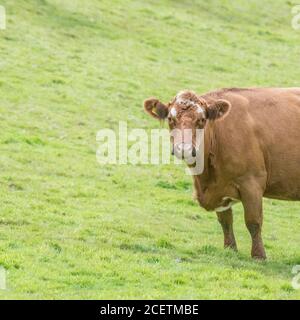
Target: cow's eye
{"x": 171, "y": 117}
{"x": 171, "y": 120}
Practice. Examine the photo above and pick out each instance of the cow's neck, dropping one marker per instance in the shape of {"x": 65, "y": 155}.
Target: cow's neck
{"x": 202, "y": 181}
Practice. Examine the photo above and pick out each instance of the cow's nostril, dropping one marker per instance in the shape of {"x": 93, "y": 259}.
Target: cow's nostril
{"x": 194, "y": 153}
{"x": 182, "y": 150}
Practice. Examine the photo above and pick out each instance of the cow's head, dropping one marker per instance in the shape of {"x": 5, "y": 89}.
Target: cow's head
{"x": 186, "y": 111}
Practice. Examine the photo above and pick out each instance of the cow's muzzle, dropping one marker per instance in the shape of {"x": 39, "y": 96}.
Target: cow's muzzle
{"x": 184, "y": 151}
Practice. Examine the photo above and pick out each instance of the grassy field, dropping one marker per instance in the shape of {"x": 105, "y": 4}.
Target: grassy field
{"x": 70, "y": 228}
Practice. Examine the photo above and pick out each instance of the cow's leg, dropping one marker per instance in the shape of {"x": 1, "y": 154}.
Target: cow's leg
{"x": 251, "y": 197}
{"x": 226, "y": 220}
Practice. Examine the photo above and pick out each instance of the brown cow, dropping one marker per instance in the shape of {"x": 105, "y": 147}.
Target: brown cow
{"x": 252, "y": 150}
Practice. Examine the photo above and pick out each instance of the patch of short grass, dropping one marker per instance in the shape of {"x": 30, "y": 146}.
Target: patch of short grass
{"x": 70, "y": 228}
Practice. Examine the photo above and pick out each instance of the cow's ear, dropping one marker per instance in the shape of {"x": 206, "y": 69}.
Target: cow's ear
{"x": 155, "y": 108}
{"x": 218, "y": 109}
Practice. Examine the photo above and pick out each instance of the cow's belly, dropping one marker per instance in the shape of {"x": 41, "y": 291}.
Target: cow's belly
{"x": 282, "y": 161}
{"x": 283, "y": 190}
{"x": 284, "y": 178}
{"x": 281, "y": 197}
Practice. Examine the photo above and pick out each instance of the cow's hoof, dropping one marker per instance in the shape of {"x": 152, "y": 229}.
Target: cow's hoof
{"x": 229, "y": 243}
{"x": 231, "y": 246}
{"x": 259, "y": 257}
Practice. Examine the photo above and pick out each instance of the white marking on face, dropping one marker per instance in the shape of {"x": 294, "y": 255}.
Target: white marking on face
{"x": 173, "y": 112}
{"x": 180, "y": 99}
{"x": 200, "y": 110}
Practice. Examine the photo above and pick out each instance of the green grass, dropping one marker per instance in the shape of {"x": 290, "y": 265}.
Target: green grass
{"x": 70, "y": 228}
